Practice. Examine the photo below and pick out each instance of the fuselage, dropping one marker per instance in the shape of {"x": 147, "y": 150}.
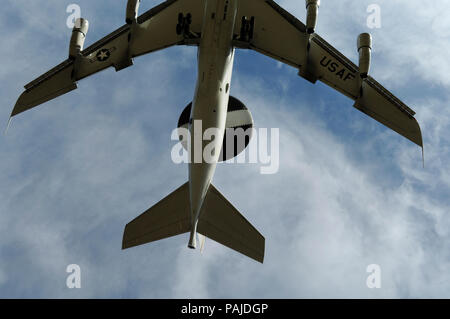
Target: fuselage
{"x": 209, "y": 107}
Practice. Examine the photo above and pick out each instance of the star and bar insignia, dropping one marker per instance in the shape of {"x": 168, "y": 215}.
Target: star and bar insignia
{"x": 103, "y": 55}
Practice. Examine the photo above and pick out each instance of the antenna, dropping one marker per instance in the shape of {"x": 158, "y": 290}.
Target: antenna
{"x": 423, "y": 158}
{"x": 7, "y": 126}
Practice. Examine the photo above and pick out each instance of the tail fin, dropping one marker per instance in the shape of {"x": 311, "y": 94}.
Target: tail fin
{"x": 169, "y": 217}
{"x": 222, "y": 222}
{"x": 219, "y": 220}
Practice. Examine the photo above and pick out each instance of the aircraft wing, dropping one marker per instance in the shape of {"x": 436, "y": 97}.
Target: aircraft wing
{"x": 279, "y": 35}
{"x": 154, "y": 30}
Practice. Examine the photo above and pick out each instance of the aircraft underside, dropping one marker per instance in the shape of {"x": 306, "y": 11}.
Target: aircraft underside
{"x": 217, "y": 28}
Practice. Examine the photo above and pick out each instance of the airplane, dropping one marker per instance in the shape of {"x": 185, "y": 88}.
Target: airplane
{"x": 217, "y": 28}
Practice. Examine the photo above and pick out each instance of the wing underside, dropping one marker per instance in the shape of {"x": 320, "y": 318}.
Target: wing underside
{"x": 281, "y": 36}
{"x": 154, "y": 30}
{"x": 277, "y": 34}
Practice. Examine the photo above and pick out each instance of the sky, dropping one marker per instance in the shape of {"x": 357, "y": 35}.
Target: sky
{"x": 349, "y": 192}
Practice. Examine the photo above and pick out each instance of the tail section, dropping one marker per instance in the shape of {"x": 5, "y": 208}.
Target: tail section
{"x": 222, "y": 222}
{"x": 219, "y": 220}
{"x": 169, "y": 217}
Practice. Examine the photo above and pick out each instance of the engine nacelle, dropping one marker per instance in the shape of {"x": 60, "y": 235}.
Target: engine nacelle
{"x": 238, "y": 128}
{"x": 312, "y": 12}
{"x": 364, "y": 49}
{"x": 79, "y": 33}
{"x": 132, "y": 11}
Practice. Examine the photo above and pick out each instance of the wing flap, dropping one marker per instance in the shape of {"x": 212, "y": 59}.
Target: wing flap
{"x": 388, "y": 110}
{"x": 45, "y": 89}
{"x": 273, "y": 25}
{"x": 157, "y": 27}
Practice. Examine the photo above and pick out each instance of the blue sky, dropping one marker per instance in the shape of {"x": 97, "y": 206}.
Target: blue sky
{"x": 349, "y": 192}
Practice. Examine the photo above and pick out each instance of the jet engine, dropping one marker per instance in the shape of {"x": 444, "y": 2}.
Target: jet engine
{"x": 238, "y": 128}
{"x": 364, "y": 49}
{"x": 312, "y": 12}
{"x": 132, "y": 11}
{"x": 78, "y": 37}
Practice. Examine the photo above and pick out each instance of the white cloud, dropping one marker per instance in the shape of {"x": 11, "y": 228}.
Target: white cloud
{"x": 75, "y": 171}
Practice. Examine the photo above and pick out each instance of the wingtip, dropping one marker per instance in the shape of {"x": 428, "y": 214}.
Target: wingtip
{"x": 127, "y": 244}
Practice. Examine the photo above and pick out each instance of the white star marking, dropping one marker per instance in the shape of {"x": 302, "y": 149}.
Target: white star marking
{"x": 103, "y": 55}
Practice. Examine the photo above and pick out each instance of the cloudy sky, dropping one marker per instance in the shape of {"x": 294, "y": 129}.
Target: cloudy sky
{"x": 348, "y": 193}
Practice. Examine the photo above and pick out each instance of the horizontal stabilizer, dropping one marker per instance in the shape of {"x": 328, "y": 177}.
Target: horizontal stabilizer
{"x": 219, "y": 220}
{"x": 222, "y": 222}
{"x": 169, "y": 217}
